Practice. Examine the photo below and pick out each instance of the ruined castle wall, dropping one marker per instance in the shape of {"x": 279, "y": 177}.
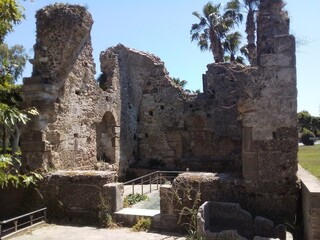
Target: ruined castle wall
{"x": 268, "y": 106}
{"x": 63, "y": 89}
{"x": 163, "y": 127}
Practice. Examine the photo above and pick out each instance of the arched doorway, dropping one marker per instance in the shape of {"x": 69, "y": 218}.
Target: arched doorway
{"x": 107, "y": 139}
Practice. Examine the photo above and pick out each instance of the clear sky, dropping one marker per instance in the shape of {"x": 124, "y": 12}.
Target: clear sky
{"x": 162, "y": 28}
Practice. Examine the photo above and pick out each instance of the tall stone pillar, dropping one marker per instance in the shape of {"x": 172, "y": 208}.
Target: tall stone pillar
{"x": 63, "y": 89}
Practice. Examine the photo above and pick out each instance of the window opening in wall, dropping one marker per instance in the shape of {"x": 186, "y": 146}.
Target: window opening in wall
{"x": 106, "y": 139}
{"x": 274, "y": 135}
{"x": 150, "y": 113}
{"x": 162, "y": 107}
{"x": 146, "y": 135}
{"x": 190, "y": 106}
{"x": 78, "y": 92}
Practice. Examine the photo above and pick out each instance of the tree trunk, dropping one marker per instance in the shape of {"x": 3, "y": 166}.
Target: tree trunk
{"x": 15, "y": 140}
{"x": 216, "y": 48}
{"x": 251, "y": 38}
{"x": 4, "y": 139}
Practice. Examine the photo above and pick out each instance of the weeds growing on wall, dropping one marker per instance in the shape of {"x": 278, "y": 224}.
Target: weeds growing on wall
{"x": 143, "y": 224}
{"x": 105, "y": 214}
{"x": 188, "y": 199}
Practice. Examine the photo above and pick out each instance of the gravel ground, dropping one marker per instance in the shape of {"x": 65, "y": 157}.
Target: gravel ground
{"x": 59, "y": 232}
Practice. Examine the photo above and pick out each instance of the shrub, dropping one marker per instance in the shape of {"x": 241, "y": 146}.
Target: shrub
{"x": 133, "y": 199}
{"x": 305, "y": 138}
{"x": 143, "y": 224}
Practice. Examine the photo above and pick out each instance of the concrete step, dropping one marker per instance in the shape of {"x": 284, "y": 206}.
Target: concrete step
{"x": 129, "y": 216}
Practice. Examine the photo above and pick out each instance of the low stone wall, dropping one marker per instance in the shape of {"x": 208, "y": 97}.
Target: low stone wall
{"x": 221, "y": 219}
{"x": 276, "y": 202}
{"x": 75, "y": 196}
{"x": 310, "y": 204}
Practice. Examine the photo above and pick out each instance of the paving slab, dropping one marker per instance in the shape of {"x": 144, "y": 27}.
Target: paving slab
{"x": 60, "y": 232}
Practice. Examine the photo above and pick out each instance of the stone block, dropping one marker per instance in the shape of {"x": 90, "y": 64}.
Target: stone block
{"x": 167, "y": 200}
{"x": 277, "y": 60}
{"x": 284, "y": 43}
{"x": 113, "y": 194}
{"x": 263, "y": 227}
{"x": 217, "y": 218}
{"x": 247, "y": 141}
{"x": 250, "y": 171}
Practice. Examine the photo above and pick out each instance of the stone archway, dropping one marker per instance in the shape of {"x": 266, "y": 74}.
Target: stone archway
{"x": 107, "y": 139}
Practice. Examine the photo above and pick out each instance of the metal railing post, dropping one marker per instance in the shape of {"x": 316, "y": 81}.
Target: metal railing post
{"x": 150, "y": 180}
{"x": 141, "y": 186}
{"x": 31, "y": 220}
{"x": 15, "y": 225}
{"x": 132, "y": 188}
{"x": 45, "y": 215}
{"x": 157, "y": 176}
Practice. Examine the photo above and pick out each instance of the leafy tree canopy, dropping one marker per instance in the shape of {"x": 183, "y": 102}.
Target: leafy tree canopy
{"x": 10, "y": 15}
{"x": 12, "y": 62}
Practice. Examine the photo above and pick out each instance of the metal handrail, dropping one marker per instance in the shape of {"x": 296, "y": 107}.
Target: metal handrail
{"x": 156, "y": 177}
{"x": 16, "y": 223}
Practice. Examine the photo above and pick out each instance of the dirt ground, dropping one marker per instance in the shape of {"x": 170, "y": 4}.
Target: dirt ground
{"x": 59, "y": 232}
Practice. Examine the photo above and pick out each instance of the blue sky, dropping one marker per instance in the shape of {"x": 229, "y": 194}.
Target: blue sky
{"x": 162, "y": 28}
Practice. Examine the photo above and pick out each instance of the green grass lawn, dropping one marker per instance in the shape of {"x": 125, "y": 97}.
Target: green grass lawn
{"x": 309, "y": 159}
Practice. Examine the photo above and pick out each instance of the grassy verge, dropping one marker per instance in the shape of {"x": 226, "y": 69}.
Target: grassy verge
{"x": 309, "y": 159}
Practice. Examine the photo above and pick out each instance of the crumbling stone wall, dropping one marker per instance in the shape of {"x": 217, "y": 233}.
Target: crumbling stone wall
{"x": 62, "y": 87}
{"x": 244, "y": 123}
{"x": 165, "y": 127}
{"x": 244, "y": 119}
{"x": 263, "y": 99}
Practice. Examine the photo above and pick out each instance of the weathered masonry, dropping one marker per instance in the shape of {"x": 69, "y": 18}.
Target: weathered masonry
{"x": 242, "y": 127}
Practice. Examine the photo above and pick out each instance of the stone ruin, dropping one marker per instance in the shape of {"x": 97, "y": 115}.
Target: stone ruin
{"x": 242, "y": 128}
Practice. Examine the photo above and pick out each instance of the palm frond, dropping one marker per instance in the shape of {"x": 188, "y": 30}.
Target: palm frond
{"x": 194, "y": 36}
{"x": 196, "y": 14}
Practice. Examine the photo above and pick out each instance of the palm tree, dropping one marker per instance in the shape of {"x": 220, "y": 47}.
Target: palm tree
{"x": 213, "y": 27}
{"x": 181, "y": 83}
{"x": 251, "y": 7}
{"x": 231, "y": 44}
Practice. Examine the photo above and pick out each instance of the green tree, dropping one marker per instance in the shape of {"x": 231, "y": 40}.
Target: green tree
{"x": 12, "y": 62}
{"x": 307, "y": 136}
{"x": 251, "y": 8}
{"x": 181, "y": 83}
{"x": 304, "y": 121}
{"x": 213, "y": 27}
{"x": 11, "y": 66}
{"x": 10, "y": 15}
{"x": 231, "y": 45}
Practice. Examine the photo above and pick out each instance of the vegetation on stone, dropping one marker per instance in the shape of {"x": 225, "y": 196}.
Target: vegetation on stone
{"x": 143, "y": 224}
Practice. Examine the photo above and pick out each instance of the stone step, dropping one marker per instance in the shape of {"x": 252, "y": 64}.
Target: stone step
{"x": 129, "y": 216}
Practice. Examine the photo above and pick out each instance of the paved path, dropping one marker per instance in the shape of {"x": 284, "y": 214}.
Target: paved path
{"x": 59, "y": 232}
